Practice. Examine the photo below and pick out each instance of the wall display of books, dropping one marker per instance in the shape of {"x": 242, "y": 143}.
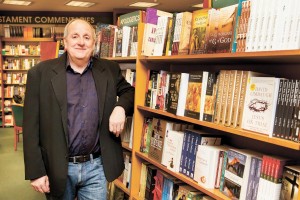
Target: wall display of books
{"x": 19, "y": 54}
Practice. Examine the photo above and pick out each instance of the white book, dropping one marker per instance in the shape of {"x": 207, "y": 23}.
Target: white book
{"x": 177, "y": 30}
{"x": 172, "y": 150}
{"x": 280, "y": 24}
{"x": 297, "y": 35}
{"x": 160, "y": 35}
{"x": 269, "y": 37}
{"x": 206, "y": 165}
{"x": 125, "y": 40}
{"x": 263, "y": 28}
{"x": 287, "y": 24}
{"x": 184, "y": 80}
{"x": 258, "y": 25}
{"x": 260, "y": 104}
{"x": 294, "y": 25}
{"x": 251, "y": 25}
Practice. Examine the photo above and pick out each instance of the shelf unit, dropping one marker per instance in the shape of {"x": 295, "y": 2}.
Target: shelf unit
{"x": 6, "y": 111}
{"x": 277, "y": 63}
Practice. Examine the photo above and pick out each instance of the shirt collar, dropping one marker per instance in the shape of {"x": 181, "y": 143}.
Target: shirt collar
{"x": 69, "y": 68}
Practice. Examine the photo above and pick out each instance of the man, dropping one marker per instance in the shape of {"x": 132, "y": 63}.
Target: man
{"x": 72, "y": 120}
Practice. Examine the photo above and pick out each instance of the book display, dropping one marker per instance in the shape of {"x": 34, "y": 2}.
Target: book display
{"x": 18, "y": 55}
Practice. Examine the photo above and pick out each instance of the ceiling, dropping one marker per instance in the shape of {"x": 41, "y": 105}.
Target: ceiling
{"x": 101, "y": 5}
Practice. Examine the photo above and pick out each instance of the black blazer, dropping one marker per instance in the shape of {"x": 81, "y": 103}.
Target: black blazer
{"x": 45, "y": 120}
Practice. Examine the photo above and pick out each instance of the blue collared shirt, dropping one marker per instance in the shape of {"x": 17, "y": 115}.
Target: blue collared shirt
{"x": 83, "y": 113}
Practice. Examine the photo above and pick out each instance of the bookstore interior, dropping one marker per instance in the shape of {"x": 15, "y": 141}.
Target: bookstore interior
{"x": 217, "y": 92}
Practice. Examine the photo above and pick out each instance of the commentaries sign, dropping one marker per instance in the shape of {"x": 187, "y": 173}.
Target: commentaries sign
{"x": 53, "y": 18}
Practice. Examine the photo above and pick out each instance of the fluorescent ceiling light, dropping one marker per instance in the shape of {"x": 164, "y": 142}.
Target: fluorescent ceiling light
{"x": 20, "y": 3}
{"x": 143, "y": 4}
{"x": 200, "y": 5}
{"x": 80, "y": 4}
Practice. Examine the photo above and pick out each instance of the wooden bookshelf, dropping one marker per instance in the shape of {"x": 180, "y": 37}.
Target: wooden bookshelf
{"x": 22, "y": 40}
{"x": 120, "y": 185}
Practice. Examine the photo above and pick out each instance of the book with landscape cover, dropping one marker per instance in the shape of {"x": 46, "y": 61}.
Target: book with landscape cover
{"x": 183, "y": 48}
{"x": 198, "y": 32}
{"x": 260, "y": 104}
{"x": 226, "y": 28}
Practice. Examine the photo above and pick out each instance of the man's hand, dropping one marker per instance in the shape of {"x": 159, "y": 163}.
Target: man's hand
{"x": 41, "y": 184}
{"x": 117, "y": 120}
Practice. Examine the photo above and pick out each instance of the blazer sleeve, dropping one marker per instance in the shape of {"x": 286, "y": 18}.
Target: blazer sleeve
{"x": 34, "y": 165}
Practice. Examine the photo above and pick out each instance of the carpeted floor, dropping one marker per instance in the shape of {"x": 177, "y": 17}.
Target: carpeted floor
{"x": 12, "y": 183}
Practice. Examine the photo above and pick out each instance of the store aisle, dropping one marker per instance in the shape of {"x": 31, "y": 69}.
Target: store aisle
{"x": 12, "y": 183}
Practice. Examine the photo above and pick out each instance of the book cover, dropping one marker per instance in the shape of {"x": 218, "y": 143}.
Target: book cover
{"x": 172, "y": 150}
{"x": 173, "y": 93}
{"x": 184, "y": 41}
{"x": 206, "y": 165}
{"x": 290, "y": 183}
{"x": 146, "y": 135}
{"x": 151, "y": 173}
{"x": 161, "y": 35}
{"x": 260, "y": 104}
{"x": 226, "y": 24}
{"x": 184, "y": 79}
{"x": 210, "y": 97}
{"x": 198, "y": 32}
{"x": 212, "y": 30}
{"x": 158, "y": 187}
{"x": 193, "y": 98}
{"x": 159, "y": 130}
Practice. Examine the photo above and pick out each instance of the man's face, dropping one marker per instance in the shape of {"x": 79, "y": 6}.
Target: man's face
{"x": 79, "y": 42}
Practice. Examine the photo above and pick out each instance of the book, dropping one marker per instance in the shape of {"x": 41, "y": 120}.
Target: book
{"x": 159, "y": 129}
{"x": 210, "y": 97}
{"x": 175, "y": 92}
{"x": 150, "y": 184}
{"x": 227, "y": 16}
{"x": 212, "y": 30}
{"x": 158, "y": 187}
{"x": 198, "y": 32}
{"x": 223, "y": 3}
{"x": 206, "y": 165}
{"x": 172, "y": 150}
{"x": 48, "y": 50}
{"x": 188, "y": 192}
{"x": 193, "y": 98}
{"x": 184, "y": 41}
{"x": 237, "y": 173}
{"x": 260, "y": 104}
{"x": 146, "y": 135}
{"x": 161, "y": 35}
{"x": 290, "y": 183}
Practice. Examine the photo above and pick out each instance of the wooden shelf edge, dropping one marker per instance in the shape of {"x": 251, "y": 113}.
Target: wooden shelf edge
{"x": 120, "y": 185}
{"x": 240, "y": 132}
{"x": 286, "y": 56}
{"x": 22, "y": 56}
{"x": 125, "y": 145}
{"x": 121, "y": 59}
{"x": 15, "y": 70}
{"x": 215, "y": 193}
{"x": 26, "y": 39}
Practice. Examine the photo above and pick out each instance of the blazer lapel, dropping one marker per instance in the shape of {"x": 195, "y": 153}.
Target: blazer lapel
{"x": 100, "y": 79}
{"x": 59, "y": 84}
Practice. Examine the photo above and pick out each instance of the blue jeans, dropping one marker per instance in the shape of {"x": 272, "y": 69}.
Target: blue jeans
{"x": 86, "y": 181}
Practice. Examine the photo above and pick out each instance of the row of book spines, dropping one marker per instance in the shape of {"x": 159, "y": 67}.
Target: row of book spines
{"x": 14, "y": 78}
{"x": 27, "y": 32}
{"x": 14, "y": 50}
{"x": 156, "y": 184}
{"x": 19, "y": 64}
{"x": 286, "y": 123}
{"x": 9, "y": 91}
